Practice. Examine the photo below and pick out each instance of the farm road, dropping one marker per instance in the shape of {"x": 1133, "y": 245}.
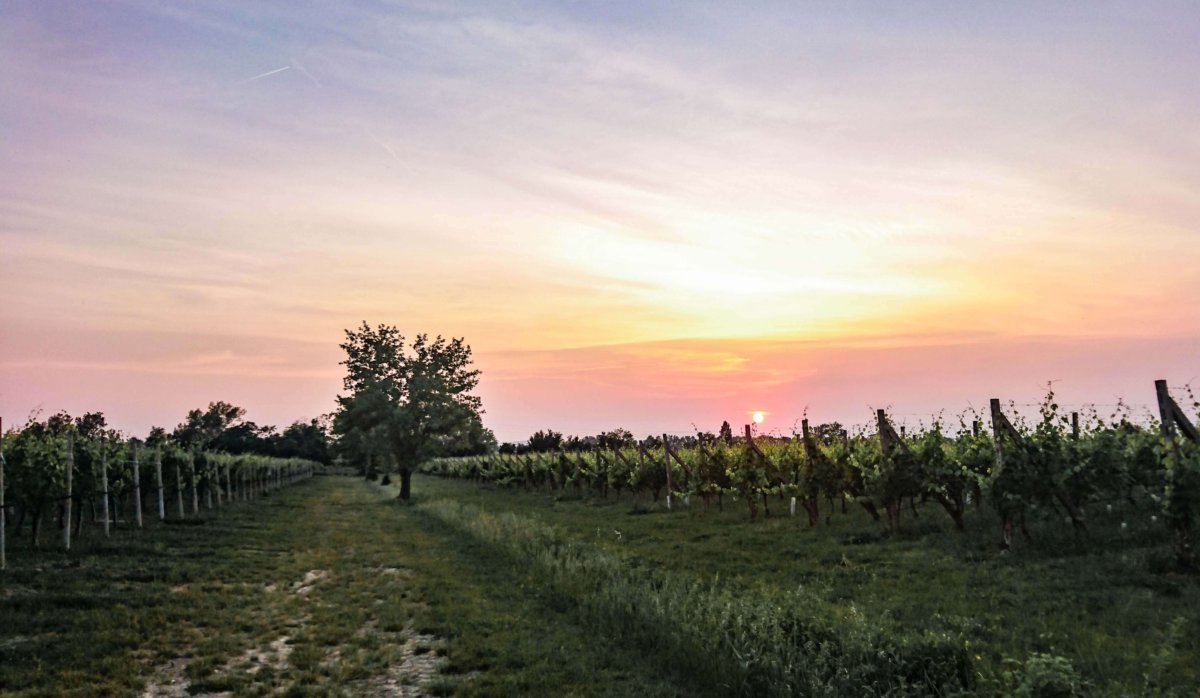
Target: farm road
{"x": 327, "y": 588}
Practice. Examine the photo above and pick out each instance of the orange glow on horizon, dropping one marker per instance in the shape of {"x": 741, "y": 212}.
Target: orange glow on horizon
{"x": 644, "y": 233}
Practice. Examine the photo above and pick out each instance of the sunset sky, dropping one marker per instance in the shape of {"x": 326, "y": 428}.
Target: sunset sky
{"x": 653, "y": 217}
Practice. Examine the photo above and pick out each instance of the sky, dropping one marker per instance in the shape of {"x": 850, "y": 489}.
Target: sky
{"x": 639, "y": 215}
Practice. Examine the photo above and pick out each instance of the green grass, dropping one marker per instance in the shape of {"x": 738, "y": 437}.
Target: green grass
{"x": 209, "y": 599}
{"x": 1125, "y": 627}
{"x": 515, "y": 593}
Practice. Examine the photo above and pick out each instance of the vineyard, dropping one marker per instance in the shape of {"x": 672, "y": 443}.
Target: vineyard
{"x": 995, "y": 557}
{"x": 1006, "y": 556}
{"x": 1053, "y": 472}
{"x": 80, "y": 479}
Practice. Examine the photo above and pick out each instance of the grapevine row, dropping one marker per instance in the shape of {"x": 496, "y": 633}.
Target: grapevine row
{"x": 62, "y": 476}
{"x": 1055, "y": 466}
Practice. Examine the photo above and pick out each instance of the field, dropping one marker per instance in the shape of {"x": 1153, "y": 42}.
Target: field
{"x": 331, "y": 588}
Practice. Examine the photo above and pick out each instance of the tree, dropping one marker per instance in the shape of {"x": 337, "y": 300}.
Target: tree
{"x": 407, "y": 403}
{"x": 544, "y": 441}
{"x": 246, "y": 437}
{"x": 308, "y": 440}
{"x": 200, "y": 429}
{"x": 617, "y": 438}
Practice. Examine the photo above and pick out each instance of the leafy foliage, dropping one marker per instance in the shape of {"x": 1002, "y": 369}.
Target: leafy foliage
{"x": 407, "y": 402}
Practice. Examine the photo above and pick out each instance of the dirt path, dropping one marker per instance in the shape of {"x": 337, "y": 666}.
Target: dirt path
{"x": 338, "y": 612}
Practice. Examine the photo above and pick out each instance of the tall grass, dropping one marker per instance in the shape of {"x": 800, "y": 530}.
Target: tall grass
{"x": 723, "y": 638}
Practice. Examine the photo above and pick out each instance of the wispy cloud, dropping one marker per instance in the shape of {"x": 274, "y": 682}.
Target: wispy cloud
{"x": 554, "y": 176}
{"x": 260, "y": 76}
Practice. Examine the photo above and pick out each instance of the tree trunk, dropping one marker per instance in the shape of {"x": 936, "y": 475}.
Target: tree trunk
{"x": 893, "y": 514}
{"x": 1073, "y": 511}
{"x": 812, "y": 506}
{"x": 953, "y": 507}
{"x": 405, "y": 484}
{"x": 35, "y": 537}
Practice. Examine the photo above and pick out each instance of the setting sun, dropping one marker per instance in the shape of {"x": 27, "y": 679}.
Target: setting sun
{"x": 758, "y": 417}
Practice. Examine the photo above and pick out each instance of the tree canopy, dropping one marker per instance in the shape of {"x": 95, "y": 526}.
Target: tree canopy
{"x": 407, "y": 402}
{"x": 200, "y": 429}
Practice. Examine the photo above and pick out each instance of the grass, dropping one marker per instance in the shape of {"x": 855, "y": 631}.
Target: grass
{"x": 313, "y": 591}
{"x": 330, "y": 588}
{"x": 1102, "y": 604}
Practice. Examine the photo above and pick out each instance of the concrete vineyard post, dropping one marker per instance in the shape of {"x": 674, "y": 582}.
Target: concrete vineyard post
{"x": 192, "y": 482}
{"x": 137, "y": 488}
{"x": 208, "y": 484}
{"x": 67, "y": 502}
{"x": 158, "y": 481}
{"x": 179, "y": 488}
{"x": 104, "y": 486}
{"x": 219, "y": 484}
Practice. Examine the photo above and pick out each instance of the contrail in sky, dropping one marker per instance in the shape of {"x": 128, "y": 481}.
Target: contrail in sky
{"x": 307, "y": 74}
{"x": 263, "y": 75}
{"x": 389, "y": 150}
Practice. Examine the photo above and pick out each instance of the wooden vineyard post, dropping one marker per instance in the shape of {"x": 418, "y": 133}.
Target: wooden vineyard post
{"x": 667, "y": 465}
{"x": 158, "y": 481}
{"x": 1172, "y": 418}
{"x": 999, "y": 426}
{"x": 811, "y": 501}
{"x": 137, "y": 487}
{"x": 3, "y": 511}
{"x": 628, "y": 463}
{"x": 104, "y": 485}
{"x": 642, "y": 464}
{"x": 671, "y": 454}
{"x": 228, "y": 482}
{"x": 887, "y": 441}
{"x": 1075, "y": 425}
{"x": 771, "y": 465}
{"x": 179, "y": 489}
{"x": 68, "y": 503}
